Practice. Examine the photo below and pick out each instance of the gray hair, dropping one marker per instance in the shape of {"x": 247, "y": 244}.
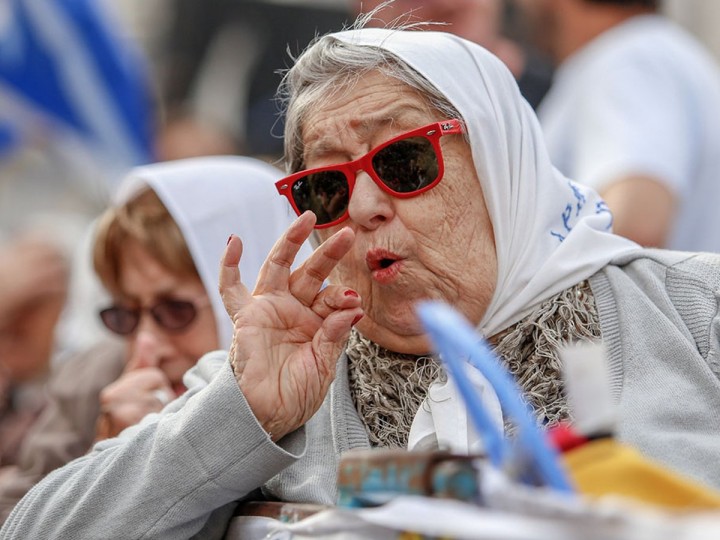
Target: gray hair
{"x": 329, "y": 66}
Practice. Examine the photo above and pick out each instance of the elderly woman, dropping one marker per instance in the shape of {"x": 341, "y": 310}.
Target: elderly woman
{"x": 446, "y": 193}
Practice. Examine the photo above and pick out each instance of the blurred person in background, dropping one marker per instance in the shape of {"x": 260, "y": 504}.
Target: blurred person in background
{"x": 634, "y": 111}
{"x": 156, "y": 251}
{"x": 218, "y": 65}
{"x": 486, "y": 22}
{"x": 33, "y": 288}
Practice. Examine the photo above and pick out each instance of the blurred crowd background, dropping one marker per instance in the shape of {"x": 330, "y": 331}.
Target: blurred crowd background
{"x": 89, "y": 89}
{"x": 212, "y": 67}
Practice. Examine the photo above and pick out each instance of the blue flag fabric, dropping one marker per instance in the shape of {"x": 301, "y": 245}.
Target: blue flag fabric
{"x": 62, "y": 61}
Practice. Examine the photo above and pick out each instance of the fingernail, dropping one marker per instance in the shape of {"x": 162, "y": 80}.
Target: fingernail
{"x": 352, "y": 293}
{"x": 357, "y": 319}
{"x": 229, "y": 238}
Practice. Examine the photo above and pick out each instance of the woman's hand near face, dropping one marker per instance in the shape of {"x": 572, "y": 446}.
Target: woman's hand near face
{"x": 289, "y": 332}
{"x": 123, "y": 403}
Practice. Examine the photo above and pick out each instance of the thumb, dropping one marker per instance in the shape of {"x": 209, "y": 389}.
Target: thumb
{"x": 234, "y": 294}
{"x": 145, "y": 352}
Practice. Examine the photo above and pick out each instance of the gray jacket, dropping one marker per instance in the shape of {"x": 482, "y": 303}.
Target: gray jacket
{"x": 177, "y": 474}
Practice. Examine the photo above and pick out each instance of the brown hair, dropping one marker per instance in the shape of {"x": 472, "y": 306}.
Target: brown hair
{"x": 143, "y": 219}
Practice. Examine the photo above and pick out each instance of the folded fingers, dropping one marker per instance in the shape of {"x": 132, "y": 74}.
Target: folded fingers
{"x": 335, "y": 298}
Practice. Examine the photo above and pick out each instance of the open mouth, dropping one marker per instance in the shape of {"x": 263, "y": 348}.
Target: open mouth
{"x": 380, "y": 259}
{"x": 383, "y": 265}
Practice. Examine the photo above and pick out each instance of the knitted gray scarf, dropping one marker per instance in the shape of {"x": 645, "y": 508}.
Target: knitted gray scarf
{"x": 388, "y": 388}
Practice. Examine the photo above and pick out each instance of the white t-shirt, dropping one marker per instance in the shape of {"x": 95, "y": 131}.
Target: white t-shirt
{"x": 643, "y": 98}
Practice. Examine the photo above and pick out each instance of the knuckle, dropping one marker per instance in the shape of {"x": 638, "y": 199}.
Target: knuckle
{"x": 315, "y": 274}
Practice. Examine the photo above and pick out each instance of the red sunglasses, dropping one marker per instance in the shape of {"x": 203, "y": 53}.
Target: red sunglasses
{"x": 404, "y": 166}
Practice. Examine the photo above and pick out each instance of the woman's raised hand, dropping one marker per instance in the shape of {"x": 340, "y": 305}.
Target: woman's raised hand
{"x": 290, "y": 331}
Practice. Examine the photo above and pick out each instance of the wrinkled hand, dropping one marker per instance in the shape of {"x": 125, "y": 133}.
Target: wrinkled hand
{"x": 288, "y": 333}
{"x": 126, "y": 401}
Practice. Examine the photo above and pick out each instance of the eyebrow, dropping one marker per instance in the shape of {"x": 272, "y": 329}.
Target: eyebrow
{"x": 327, "y": 144}
{"x": 321, "y": 147}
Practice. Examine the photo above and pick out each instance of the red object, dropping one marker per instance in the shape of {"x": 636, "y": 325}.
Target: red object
{"x": 565, "y": 438}
{"x": 402, "y": 167}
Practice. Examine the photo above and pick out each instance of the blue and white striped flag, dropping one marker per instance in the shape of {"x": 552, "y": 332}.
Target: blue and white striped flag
{"x": 66, "y": 70}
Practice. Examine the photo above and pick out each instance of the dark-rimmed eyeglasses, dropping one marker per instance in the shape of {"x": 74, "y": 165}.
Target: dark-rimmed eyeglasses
{"x": 405, "y": 166}
{"x": 171, "y": 315}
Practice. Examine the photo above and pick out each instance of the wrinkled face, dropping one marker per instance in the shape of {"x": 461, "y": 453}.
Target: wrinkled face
{"x": 144, "y": 282}
{"x": 438, "y": 245}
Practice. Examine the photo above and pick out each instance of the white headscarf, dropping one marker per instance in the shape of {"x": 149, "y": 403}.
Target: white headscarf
{"x": 210, "y": 198}
{"x": 550, "y": 232}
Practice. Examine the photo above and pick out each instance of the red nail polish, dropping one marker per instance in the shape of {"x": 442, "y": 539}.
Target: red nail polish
{"x": 229, "y": 238}
{"x": 357, "y": 319}
{"x": 352, "y": 293}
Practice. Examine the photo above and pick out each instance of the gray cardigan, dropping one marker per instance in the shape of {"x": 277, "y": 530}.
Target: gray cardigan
{"x": 177, "y": 474}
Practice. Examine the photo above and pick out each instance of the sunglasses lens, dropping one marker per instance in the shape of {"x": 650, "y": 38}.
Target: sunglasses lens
{"x": 174, "y": 314}
{"x": 119, "y": 320}
{"x": 407, "y": 165}
{"x": 324, "y": 193}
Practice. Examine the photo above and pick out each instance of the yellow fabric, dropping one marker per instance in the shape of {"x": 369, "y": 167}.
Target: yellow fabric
{"x": 606, "y": 467}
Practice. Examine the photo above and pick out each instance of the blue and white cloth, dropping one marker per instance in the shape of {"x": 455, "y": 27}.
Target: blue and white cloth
{"x": 67, "y": 73}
